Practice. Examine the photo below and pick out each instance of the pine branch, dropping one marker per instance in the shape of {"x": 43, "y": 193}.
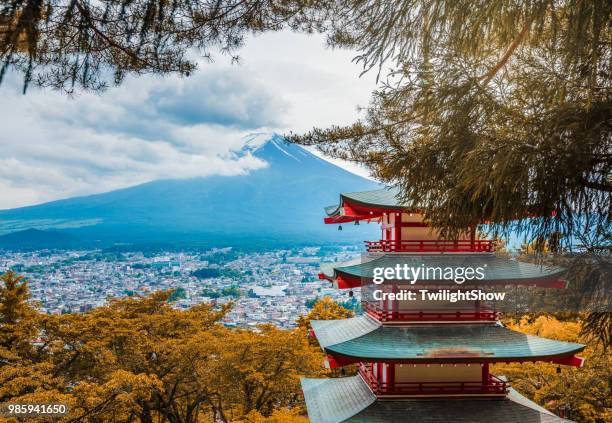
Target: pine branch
{"x": 517, "y": 41}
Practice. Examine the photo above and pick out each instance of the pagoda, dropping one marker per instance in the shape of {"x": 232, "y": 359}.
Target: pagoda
{"x": 417, "y": 360}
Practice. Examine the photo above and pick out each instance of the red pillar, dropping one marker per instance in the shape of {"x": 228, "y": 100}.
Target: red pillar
{"x": 379, "y": 372}
{"x": 398, "y": 229}
{"x": 485, "y": 373}
{"x": 473, "y": 238}
{"x": 391, "y": 376}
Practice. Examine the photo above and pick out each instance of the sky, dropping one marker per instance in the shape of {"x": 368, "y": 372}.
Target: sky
{"x": 53, "y": 146}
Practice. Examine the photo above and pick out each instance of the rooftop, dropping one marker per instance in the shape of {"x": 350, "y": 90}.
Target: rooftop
{"x": 350, "y": 400}
{"x": 384, "y": 198}
{"x": 363, "y": 338}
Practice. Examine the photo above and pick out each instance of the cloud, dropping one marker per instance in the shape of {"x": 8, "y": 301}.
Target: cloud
{"x": 223, "y": 97}
{"x": 53, "y": 146}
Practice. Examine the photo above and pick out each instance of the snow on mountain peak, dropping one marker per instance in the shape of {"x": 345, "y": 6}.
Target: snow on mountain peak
{"x": 265, "y": 145}
{"x": 255, "y": 141}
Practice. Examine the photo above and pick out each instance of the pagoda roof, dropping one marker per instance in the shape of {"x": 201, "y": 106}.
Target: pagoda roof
{"x": 383, "y": 198}
{"x": 336, "y": 400}
{"x": 364, "y": 338}
{"x": 497, "y": 270}
{"x": 350, "y": 400}
{"x": 365, "y": 205}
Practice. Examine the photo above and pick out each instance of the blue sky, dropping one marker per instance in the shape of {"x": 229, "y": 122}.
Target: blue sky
{"x": 53, "y": 146}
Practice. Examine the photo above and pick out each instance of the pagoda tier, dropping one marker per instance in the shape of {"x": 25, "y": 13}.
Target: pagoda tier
{"x": 496, "y": 270}
{"x": 362, "y": 338}
{"x": 350, "y": 400}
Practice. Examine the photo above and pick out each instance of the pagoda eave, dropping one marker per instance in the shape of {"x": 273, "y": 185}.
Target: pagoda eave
{"x": 496, "y": 270}
{"x": 365, "y": 205}
{"x": 362, "y": 338}
{"x": 350, "y": 400}
{"x": 337, "y": 360}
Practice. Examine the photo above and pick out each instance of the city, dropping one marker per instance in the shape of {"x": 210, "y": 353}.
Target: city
{"x": 266, "y": 287}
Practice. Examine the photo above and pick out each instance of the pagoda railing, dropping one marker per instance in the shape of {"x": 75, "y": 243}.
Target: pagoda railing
{"x": 493, "y": 386}
{"x": 381, "y": 315}
{"x": 422, "y": 246}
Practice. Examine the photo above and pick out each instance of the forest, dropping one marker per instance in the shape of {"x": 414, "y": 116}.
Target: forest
{"x": 138, "y": 359}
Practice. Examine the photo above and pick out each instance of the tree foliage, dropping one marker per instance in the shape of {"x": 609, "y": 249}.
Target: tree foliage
{"x": 81, "y": 44}
{"x": 324, "y": 309}
{"x": 488, "y": 111}
{"x": 140, "y": 359}
{"x": 598, "y": 326}
{"x": 581, "y": 394}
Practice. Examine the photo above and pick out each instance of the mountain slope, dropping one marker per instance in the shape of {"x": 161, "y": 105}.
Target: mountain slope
{"x": 282, "y": 202}
{"x": 32, "y": 238}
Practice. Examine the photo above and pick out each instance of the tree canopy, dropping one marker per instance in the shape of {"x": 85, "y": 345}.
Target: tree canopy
{"x": 488, "y": 111}
{"x": 81, "y": 44}
{"x": 140, "y": 359}
{"x": 580, "y": 394}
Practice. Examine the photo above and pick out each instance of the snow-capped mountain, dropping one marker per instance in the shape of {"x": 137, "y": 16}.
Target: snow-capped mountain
{"x": 280, "y": 203}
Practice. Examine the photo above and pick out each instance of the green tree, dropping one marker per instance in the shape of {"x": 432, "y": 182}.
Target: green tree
{"x": 488, "y": 111}
{"x": 80, "y": 44}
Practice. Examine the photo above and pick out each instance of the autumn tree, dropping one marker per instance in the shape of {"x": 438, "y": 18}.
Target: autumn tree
{"x": 24, "y": 372}
{"x": 582, "y": 394}
{"x": 141, "y": 359}
{"x": 278, "y": 416}
{"x": 324, "y": 309}
{"x": 17, "y": 316}
{"x": 260, "y": 370}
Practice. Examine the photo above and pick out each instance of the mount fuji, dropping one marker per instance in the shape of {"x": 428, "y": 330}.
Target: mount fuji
{"x": 280, "y": 204}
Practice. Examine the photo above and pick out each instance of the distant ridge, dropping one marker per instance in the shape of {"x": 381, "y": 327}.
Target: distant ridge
{"x": 280, "y": 204}
{"x": 35, "y": 238}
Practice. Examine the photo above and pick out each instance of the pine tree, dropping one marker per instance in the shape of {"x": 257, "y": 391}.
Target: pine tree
{"x": 80, "y": 44}
{"x": 17, "y": 316}
{"x": 488, "y": 111}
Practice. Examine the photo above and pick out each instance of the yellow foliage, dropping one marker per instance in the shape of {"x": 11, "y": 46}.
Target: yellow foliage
{"x": 324, "y": 309}
{"x": 583, "y": 392}
{"x": 139, "y": 359}
{"x": 548, "y": 327}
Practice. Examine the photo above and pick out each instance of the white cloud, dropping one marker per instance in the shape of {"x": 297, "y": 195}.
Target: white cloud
{"x": 53, "y": 146}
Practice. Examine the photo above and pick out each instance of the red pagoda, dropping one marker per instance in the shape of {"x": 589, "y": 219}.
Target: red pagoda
{"x": 418, "y": 360}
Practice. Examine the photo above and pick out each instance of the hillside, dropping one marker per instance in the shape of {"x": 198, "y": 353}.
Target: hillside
{"x": 279, "y": 204}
